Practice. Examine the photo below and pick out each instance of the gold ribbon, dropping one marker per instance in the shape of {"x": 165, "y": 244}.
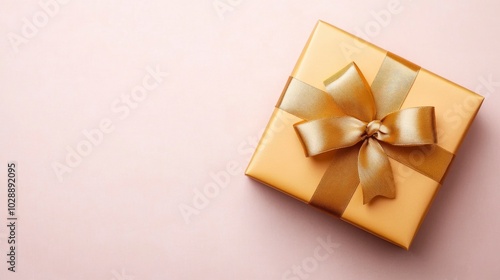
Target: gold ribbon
{"x": 364, "y": 126}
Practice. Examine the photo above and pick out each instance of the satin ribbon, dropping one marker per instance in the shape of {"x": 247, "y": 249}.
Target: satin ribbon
{"x": 364, "y": 126}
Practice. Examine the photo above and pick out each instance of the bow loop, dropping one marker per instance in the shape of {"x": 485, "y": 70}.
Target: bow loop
{"x": 409, "y": 127}
{"x": 327, "y": 134}
{"x": 349, "y": 89}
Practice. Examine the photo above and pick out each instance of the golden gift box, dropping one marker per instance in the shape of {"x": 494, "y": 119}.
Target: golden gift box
{"x": 363, "y": 134}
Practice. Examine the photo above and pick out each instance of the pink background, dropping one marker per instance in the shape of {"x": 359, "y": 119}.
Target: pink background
{"x": 117, "y": 215}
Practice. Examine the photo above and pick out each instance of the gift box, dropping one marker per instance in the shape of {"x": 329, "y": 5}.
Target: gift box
{"x": 363, "y": 134}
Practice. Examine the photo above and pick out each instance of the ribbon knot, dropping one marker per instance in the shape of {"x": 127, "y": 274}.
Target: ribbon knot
{"x": 359, "y": 123}
{"x": 372, "y": 128}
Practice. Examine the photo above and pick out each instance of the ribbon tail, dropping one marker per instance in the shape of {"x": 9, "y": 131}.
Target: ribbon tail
{"x": 375, "y": 172}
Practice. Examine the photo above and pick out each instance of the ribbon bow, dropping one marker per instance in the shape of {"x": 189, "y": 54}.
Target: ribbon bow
{"x": 352, "y": 94}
